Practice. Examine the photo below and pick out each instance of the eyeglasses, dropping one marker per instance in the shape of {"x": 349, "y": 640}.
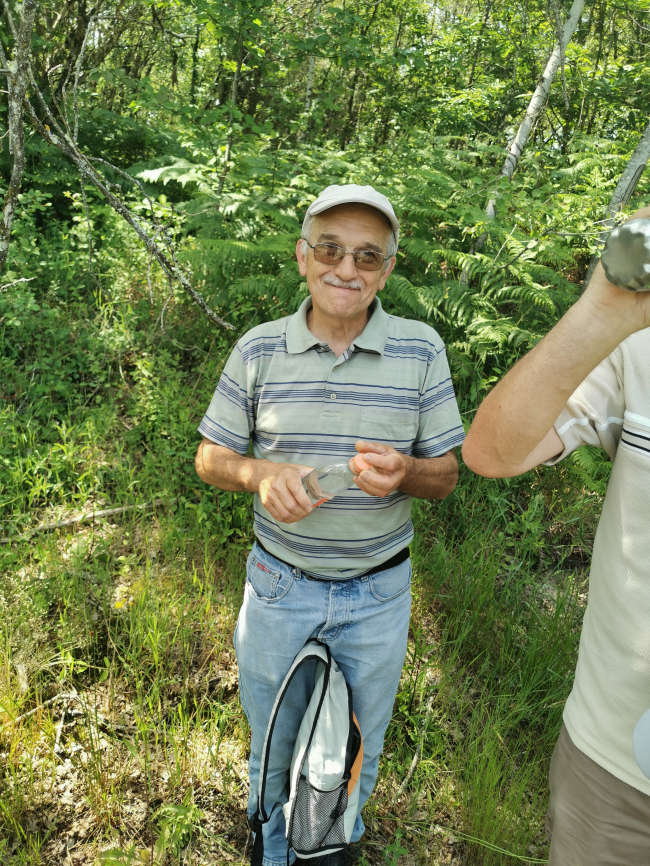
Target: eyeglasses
{"x": 331, "y": 254}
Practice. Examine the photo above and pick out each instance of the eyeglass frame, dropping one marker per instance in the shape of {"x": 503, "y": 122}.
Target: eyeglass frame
{"x": 349, "y": 253}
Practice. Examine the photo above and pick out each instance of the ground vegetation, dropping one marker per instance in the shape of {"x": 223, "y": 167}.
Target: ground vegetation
{"x": 212, "y": 124}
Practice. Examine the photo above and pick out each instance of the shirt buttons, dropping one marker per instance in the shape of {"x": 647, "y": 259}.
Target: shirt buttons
{"x": 332, "y": 396}
{"x": 335, "y": 367}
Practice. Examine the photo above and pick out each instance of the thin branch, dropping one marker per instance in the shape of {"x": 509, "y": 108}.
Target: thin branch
{"x": 83, "y": 518}
{"x": 77, "y": 75}
{"x": 64, "y": 696}
{"x": 53, "y": 133}
{"x": 171, "y": 268}
{"x": 418, "y": 750}
{"x": 88, "y": 226}
{"x": 15, "y": 282}
{"x": 10, "y": 18}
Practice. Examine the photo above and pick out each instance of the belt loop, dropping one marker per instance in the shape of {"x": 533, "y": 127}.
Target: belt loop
{"x": 364, "y": 577}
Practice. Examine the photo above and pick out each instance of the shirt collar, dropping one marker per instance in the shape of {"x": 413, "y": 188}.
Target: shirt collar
{"x": 373, "y": 337}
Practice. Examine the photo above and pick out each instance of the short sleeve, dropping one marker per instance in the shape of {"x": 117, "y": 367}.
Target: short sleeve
{"x": 594, "y": 413}
{"x": 440, "y": 428}
{"x": 230, "y": 417}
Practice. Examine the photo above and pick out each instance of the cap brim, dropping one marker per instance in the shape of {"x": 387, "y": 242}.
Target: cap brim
{"x": 319, "y": 208}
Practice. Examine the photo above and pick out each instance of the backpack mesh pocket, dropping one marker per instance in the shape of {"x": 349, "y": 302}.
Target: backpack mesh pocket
{"x": 317, "y": 820}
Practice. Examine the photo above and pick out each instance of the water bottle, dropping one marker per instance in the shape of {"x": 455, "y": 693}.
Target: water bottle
{"x": 626, "y": 257}
{"x": 327, "y": 481}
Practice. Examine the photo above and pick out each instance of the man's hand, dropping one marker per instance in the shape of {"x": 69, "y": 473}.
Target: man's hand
{"x": 426, "y": 478}
{"x": 388, "y": 468}
{"x": 282, "y": 493}
{"x": 279, "y": 484}
{"x": 619, "y": 309}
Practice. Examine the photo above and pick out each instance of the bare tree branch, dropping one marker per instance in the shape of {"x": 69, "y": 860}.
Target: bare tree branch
{"x": 59, "y": 135}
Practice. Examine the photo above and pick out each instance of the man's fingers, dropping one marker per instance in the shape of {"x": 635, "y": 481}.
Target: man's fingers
{"x": 284, "y": 496}
{"x": 294, "y": 485}
{"x": 288, "y": 501}
{"x": 284, "y": 508}
{"x": 376, "y": 485}
{"x": 364, "y": 447}
{"x": 390, "y": 462}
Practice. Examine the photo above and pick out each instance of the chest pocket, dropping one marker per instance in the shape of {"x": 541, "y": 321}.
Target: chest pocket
{"x": 398, "y": 429}
{"x": 636, "y": 433}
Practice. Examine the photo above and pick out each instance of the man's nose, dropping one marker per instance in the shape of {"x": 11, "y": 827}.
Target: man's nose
{"x": 346, "y": 269}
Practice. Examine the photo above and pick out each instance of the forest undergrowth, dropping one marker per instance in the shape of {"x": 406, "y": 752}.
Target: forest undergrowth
{"x": 122, "y": 739}
{"x": 214, "y": 124}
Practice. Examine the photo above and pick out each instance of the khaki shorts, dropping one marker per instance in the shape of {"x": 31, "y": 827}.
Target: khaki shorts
{"x": 593, "y": 818}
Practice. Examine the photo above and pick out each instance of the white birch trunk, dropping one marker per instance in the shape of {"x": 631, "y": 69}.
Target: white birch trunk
{"x": 536, "y": 104}
{"x": 312, "y": 60}
{"x": 535, "y": 108}
{"x": 622, "y": 194}
{"x": 310, "y": 75}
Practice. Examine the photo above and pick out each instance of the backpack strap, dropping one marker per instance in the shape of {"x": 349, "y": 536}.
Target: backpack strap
{"x": 312, "y": 650}
{"x": 255, "y": 825}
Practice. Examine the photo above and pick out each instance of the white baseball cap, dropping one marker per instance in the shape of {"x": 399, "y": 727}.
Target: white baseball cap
{"x": 352, "y": 193}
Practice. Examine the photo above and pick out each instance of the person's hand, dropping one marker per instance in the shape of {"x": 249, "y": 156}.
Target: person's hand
{"x": 389, "y": 468}
{"x": 282, "y": 493}
{"x": 623, "y": 310}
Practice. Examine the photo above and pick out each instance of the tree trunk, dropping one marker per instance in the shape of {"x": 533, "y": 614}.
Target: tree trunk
{"x": 17, "y": 72}
{"x": 233, "y": 101}
{"x": 194, "y": 80}
{"x": 312, "y": 59}
{"x": 540, "y": 96}
{"x": 534, "y": 110}
{"x": 622, "y": 194}
{"x": 479, "y": 39}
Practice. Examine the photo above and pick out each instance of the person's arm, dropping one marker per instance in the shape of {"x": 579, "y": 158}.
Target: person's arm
{"x": 513, "y": 428}
{"x": 279, "y": 484}
{"x": 422, "y": 477}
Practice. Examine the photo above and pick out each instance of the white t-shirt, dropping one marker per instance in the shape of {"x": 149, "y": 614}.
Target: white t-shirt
{"x": 611, "y": 410}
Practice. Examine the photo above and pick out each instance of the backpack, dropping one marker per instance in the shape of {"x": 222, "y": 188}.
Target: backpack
{"x": 324, "y": 772}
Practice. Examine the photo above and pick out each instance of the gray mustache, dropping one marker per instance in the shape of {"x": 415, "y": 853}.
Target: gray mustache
{"x": 342, "y": 284}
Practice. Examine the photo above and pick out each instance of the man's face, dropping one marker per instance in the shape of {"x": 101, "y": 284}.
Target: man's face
{"x": 342, "y": 291}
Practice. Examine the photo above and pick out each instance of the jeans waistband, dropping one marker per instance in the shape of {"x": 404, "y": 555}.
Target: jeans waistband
{"x": 397, "y": 559}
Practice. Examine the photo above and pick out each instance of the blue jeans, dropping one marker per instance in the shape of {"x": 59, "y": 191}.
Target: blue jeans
{"x": 365, "y": 623}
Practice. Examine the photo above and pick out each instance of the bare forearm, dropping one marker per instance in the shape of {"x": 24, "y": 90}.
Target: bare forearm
{"x": 431, "y": 477}
{"x": 278, "y": 484}
{"x": 521, "y": 410}
{"x": 513, "y": 428}
{"x": 226, "y": 470}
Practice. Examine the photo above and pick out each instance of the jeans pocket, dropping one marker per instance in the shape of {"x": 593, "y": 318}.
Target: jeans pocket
{"x": 389, "y": 584}
{"x": 265, "y": 583}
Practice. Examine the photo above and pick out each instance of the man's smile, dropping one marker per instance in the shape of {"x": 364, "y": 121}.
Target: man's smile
{"x": 337, "y": 283}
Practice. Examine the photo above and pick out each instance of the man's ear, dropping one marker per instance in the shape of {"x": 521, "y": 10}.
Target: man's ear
{"x": 386, "y": 274}
{"x": 302, "y": 259}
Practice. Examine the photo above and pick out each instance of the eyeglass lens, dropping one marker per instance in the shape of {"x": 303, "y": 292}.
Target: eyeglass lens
{"x": 365, "y": 260}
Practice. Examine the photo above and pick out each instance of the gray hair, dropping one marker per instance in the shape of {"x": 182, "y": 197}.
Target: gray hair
{"x": 307, "y": 226}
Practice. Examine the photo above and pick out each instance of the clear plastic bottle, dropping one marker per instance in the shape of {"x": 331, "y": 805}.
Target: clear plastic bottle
{"x": 327, "y": 481}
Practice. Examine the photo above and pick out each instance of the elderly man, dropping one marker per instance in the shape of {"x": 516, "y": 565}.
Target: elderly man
{"x": 338, "y": 375}
{"x": 588, "y": 382}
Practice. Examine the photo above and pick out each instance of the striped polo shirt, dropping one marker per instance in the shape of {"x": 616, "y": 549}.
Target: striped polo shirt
{"x": 299, "y": 403}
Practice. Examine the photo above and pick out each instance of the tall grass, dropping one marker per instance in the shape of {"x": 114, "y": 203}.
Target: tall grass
{"x": 118, "y": 631}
